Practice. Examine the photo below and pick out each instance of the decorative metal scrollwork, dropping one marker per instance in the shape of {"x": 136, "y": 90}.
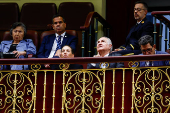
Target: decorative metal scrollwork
{"x": 152, "y": 89}
{"x": 64, "y": 66}
{"x": 16, "y": 95}
{"x": 87, "y": 90}
{"x": 36, "y": 66}
{"x": 133, "y": 64}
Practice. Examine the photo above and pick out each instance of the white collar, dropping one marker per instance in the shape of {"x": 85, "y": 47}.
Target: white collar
{"x": 62, "y": 35}
{"x": 106, "y": 55}
{"x": 139, "y": 22}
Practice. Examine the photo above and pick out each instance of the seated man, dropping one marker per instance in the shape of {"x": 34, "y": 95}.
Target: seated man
{"x": 142, "y": 27}
{"x": 149, "y": 48}
{"x": 104, "y": 47}
{"x": 66, "y": 52}
{"x": 52, "y": 44}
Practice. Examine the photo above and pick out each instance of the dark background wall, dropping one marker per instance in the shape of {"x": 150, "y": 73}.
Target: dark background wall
{"x": 157, "y": 3}
{"x": 119, "y": 13}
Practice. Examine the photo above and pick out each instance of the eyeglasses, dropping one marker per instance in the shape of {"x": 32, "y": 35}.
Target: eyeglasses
{"x": 147, "y": 50}
{"x": 138, "y": 9}
{"x": 60, "y": 22}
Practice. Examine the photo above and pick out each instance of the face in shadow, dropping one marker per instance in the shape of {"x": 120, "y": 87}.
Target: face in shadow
{"x": 148, "y": 49}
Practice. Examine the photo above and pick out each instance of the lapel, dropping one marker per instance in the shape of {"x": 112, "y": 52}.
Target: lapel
{"x": 51, "y": 41}
{"x": 65, "y": 39}
{"x": 155, "y": 63}
{"x": 136, "y": 28}
{"x": 7, "y": 44}
{"x": 140, "y": 25}
{"x": 97, "y": 65}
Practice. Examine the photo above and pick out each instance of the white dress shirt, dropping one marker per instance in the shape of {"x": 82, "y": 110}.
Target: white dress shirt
{"x": 55, "y": 44}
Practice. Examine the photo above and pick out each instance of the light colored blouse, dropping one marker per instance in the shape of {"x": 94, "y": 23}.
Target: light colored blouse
{"x": 24, "y": 45}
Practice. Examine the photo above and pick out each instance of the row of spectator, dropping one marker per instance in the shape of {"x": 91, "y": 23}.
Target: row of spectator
{"x": 62, "y": 44}
{"x": 32, "y": 34}
{"x": 36, "y": 16}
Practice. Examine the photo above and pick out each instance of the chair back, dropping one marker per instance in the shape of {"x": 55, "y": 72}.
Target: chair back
{"x": 9, "y": 14}
{"x": 75, "y": 13}
{"x": 36, "y": 16}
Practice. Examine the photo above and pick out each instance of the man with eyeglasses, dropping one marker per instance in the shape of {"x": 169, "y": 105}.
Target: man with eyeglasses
{"x": 149, "y": 48}
{"x": 142, "y": 27}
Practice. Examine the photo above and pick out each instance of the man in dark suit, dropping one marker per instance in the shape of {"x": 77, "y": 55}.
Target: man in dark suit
{"x": 52, "y": 44}
{"x": 142, "y": 27}
{"x": 104, "y": 47}
{"x": 66, "y": 52}
{"x": 148, "y": 48}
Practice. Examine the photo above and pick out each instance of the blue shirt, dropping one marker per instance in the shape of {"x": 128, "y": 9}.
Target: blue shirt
{"x": 24, "y": 45}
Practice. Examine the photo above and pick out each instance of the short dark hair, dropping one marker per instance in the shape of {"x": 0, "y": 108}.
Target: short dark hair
{"x": 58, "y": 16}
{"x": 16, "y": 24}
{"x": 145, "y": 40}
{"x": 144, "y": 4}
{"x": 72, "y": 51}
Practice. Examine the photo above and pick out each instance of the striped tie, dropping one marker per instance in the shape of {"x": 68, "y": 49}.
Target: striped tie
{"x": 58, "y": 43}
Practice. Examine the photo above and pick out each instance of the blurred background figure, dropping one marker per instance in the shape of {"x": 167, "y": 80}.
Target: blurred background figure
{"x": 18, "y": 47}
{"x": 66, "y": 52}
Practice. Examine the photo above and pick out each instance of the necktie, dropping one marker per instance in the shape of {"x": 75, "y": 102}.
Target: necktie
{"x": 150, "y": 63}
{"x": 58, "y": 43}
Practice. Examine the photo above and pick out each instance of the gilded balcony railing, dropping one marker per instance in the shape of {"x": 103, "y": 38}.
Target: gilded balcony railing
{"x": 130, "y": 89}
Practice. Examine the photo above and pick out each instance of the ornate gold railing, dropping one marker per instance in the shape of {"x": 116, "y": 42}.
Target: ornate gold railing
{"x": 17, "y": 92}
{"x": 113, "y": 90}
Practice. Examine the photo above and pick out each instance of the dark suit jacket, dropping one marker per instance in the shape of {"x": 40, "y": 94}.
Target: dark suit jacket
{"x": 48, "y": 41}
{"x": 72, "y": 66}
{"x": 111, "y": 65}
{"x": 144, "y": 28}
{"x": 156, "y": 63}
